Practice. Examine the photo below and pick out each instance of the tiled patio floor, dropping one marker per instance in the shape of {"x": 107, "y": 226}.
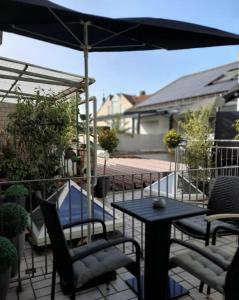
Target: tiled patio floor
{"x": 39, "y": 287}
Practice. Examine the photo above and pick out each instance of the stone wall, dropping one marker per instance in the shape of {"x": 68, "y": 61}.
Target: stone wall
{"x": 5, "y": 110}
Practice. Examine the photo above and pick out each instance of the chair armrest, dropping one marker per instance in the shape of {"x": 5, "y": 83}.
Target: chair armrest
{"x": 106, "y": 245}
{"x": 87, "y": 221}
{"x": 202, "y": 252}
{"x": 215, "y": 231}
{"x": 211, "y": 218}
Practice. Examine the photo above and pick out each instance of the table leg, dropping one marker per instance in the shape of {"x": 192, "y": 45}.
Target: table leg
{"x": 157, "y": 244}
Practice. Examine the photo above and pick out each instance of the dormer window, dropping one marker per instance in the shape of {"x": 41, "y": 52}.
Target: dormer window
{"x": 230, "y": 75}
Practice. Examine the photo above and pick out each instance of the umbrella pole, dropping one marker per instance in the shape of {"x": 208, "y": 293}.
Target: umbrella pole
{"x": 88, "y": 163}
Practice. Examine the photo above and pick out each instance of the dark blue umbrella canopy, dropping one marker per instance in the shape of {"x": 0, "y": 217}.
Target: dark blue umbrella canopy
{"x": 47, "y": 21}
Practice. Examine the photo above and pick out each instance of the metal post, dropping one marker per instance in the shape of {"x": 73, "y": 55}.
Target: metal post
{"x": 95, "y": 139}
{"x": 88, "y": 162}
{"x": 77, "y": 123}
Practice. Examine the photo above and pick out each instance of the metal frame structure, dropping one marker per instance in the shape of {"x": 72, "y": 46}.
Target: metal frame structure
{"x": 17, "y": 77}
{"x": 20, "y": 78}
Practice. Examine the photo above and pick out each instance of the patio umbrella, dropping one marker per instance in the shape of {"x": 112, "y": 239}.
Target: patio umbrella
{"x": 47, "y": 21}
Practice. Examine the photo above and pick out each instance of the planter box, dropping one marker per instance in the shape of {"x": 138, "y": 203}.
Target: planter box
{"x": 102, "y": 187}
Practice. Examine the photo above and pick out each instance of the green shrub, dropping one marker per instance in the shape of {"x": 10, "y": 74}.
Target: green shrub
{"x": 172, "y": 139}
{"x": 13, "y": 219}
{"x": 16, "y": 190}
{"x": 108, "y": 139}
{"x": 8, "y": 253}
{"x": 196, "y": 131}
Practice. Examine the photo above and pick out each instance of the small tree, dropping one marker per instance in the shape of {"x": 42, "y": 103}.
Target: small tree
{"x": 196, "y": 131}
{"x": 108, "y": 141}
{"x": 235, "y": 125}
{"x": 42, "y": 128}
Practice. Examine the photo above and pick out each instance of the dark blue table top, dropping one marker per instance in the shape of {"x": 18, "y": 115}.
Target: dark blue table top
{"x": 143, "y": 210}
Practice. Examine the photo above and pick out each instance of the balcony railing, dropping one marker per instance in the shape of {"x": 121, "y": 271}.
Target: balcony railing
{"x": 192, "y": 186}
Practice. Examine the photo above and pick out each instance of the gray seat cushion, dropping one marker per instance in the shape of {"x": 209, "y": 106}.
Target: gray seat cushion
{"x": 204, "y": 269}
{"x": 198, "y": 226}
{"x": 97, "y": 264}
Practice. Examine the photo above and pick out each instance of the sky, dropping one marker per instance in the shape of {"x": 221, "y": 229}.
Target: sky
{"x": 131, "y": 72}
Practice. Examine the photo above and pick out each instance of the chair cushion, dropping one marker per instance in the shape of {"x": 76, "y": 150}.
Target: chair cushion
{"x": 204, "y": 269}
{"x": 97, "y": 264}
{"x": 197, "y": 226}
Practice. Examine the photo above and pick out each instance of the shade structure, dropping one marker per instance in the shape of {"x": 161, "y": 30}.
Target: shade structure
{"x": 44, "y": 20}
{"x": 47, "y": 21}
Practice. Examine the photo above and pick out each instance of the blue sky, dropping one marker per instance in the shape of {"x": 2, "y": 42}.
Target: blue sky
{"x": 134, "y": 71}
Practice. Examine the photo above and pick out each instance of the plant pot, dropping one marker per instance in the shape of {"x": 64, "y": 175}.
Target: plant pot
{"x": 102, "y": 187}
{"x": 19, "y": 242}
{"x": 4, "y": 282}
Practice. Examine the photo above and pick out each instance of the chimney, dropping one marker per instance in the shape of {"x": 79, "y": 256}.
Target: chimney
{"x": 142, "y": 93}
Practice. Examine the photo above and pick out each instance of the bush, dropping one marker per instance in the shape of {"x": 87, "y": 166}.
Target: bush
{"x": 172, "y": 139}
{"x": 108, "y": 139}
{"x": 13, "y": 219}
{"x": 196, "y": 132}
{"x": 8, "y": 253}
{"x": 42, "y": 128}
{"x": 16, "y": 190}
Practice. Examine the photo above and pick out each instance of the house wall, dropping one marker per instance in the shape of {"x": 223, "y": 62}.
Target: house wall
{"x": 140, "y": 143}
{"x": 155, "y": 125}
{"x": 5, "y": 110}
{"x": 115, "y": 106}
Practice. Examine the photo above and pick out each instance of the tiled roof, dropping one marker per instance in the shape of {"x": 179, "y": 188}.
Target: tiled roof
{"x": 134, "y": 100}
{"x": 207, "y": 82}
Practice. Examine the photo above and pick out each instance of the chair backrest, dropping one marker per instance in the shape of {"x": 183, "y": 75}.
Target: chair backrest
{"x": 60, "y": 250}
{"x": 231, "y": 288}
{"x": 224, "y": 195}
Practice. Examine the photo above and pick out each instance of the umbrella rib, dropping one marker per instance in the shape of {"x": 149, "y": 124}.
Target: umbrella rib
{"x": 114, "y": 33}
{"x": 66, "y": 27}
{"x": 128, "y": 46}
{"x": 44, "y": 36}
{"x": 117, "y": 34}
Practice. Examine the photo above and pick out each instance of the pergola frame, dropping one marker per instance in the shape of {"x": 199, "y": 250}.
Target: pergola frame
{"x": 67, "y": 83}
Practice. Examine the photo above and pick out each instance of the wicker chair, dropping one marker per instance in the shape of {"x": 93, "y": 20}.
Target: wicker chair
{"x": 214, "y": 266}
{"x": 223, "y": 206}
{"x": 88, "y": 265}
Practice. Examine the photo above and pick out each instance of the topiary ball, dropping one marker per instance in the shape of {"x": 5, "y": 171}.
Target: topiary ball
{"x": 16, "y": 190}
{"x": 8, "y": 254}
{"x": 13, "y": 219}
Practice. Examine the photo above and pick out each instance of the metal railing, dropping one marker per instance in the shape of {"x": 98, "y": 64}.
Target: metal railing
{"x": 185, "y": 185}
{"x": 220, "y": 153}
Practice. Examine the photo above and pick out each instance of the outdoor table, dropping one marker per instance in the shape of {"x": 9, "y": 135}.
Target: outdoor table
{"x": 157, "y": 242}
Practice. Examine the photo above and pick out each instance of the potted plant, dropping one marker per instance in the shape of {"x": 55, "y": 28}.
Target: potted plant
{"x": 8, "y": 257}
{"x": 16, "y": 193}
{"x": 108, "y": 141}
{"x": 14, "y": 220}
{"x": 171, "y": 139}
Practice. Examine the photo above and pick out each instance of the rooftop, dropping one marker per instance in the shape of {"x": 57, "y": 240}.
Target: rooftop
{"x": 209, "y": 82}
